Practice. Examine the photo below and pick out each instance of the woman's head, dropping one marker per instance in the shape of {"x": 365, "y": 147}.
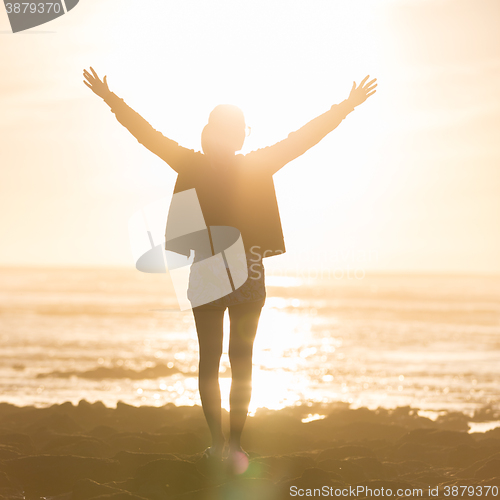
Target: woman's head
{"x": 225, "y": 131}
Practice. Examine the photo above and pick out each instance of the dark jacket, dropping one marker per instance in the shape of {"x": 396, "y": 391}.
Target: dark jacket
{"x": 240, "y": 194}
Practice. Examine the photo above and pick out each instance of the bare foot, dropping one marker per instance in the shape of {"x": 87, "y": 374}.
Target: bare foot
{"x": 236, "y": 450}
{"x": 215, "y": 451}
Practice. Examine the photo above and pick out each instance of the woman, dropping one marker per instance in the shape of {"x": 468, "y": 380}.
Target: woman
{"x": 236, "y": 191}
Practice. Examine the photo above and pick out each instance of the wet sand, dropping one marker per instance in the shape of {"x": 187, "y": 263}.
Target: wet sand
{"x": 90, "y": 451}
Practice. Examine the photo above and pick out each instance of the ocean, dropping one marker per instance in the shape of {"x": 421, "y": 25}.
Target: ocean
{"x": 431, "y": 342}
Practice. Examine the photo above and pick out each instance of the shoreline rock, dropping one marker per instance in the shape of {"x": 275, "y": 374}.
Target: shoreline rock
{"x": 89, "y": 451}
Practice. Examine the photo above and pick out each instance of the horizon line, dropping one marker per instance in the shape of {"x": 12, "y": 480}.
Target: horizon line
{"x": 282, "y": 272}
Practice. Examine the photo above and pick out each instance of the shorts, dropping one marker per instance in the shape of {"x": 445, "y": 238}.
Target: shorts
{"x": 253, "y": 290}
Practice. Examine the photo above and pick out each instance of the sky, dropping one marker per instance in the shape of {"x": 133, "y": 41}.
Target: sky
{"x": 409, "y": 182}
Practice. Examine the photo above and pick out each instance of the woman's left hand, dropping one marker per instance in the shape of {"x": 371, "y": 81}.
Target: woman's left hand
{"x": 361, "y": 93}
{"x": 94, "y": 83}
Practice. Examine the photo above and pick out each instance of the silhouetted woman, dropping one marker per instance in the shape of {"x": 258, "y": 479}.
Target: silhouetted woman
{"x": 236, "y": 191}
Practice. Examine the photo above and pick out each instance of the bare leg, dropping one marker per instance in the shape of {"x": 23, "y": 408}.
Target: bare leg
{"x": 244, "y": 321}
{"x": 209, "y": 327}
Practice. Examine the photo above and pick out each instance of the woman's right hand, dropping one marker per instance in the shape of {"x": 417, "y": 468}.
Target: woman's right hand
{"x": 361, "y": 93}
{"x": 94, "y": 83}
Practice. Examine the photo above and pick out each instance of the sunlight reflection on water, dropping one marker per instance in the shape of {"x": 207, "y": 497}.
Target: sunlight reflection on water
{"x": 389, "y": 341}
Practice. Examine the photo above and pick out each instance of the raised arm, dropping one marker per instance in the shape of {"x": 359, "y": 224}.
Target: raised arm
{"x": 168, "y": 150}
{"x": 297, "y": 143}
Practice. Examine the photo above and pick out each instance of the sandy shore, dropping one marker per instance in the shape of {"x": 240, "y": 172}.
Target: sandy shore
{"x": 89, "y": 451}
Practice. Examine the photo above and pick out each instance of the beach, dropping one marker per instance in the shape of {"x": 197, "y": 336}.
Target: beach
{"x": 89, "y": 451}
{"x": 359, "y": 387}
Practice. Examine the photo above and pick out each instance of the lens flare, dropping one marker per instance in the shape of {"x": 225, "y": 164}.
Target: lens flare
{"x": 238, "y": 462}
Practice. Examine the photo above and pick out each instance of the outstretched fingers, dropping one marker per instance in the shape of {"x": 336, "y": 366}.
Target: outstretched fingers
{"x": 88, "y": 76}
{"x": 370, "y": 84}
{"x": 364, "y": 80}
